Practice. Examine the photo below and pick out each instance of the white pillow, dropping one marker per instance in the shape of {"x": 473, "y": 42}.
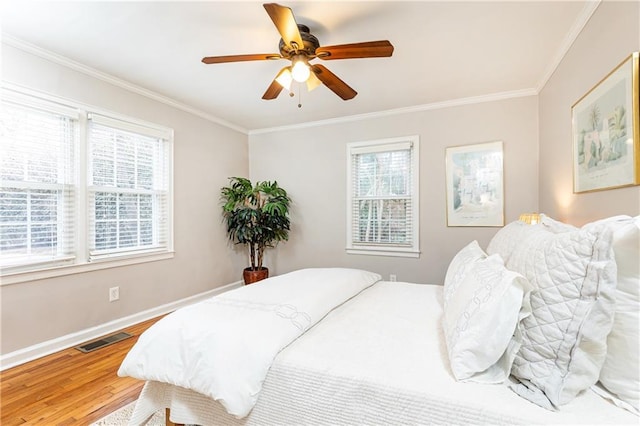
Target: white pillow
{"x": 458, "y": 267}
{"x": 620, "y": 374}
{"x": 555, "y": 226}
{"x": 564, "y": 339}
{"x": 482, "y": 314}
{"x": 506, "y": 239}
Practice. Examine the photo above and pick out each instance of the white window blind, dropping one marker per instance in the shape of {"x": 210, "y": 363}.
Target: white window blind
{"x": 78, "y": 186}
{"x": 129, "y": 188}
{"x": 38, "y": 174}
{"x": 383, "y": 196}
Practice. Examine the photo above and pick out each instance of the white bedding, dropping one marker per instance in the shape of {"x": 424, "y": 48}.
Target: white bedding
{"x": 223, "y": 347}
{"x": 378, "y": 359}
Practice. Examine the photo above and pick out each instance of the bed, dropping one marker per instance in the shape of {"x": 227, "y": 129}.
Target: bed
{"x": 378, "y": 354}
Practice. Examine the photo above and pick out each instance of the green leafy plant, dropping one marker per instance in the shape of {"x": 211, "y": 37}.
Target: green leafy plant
{"x": 257, "y": 216}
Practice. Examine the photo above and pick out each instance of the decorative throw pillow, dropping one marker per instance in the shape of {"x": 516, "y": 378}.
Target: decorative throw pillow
{"x": 481, "y": 315}
{"x": 573, "y": 301}
{"x": 458, "y": 267}
{"x": 620, "y": 374}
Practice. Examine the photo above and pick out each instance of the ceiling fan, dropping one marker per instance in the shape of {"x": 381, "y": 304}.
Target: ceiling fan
{"x": 300, "y": 47}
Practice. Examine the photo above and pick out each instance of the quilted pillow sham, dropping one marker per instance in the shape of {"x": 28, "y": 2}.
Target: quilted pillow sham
{"x": 483, "y": 306}
{"x": 564, "y": 339}
{"x": 620, "y": 374}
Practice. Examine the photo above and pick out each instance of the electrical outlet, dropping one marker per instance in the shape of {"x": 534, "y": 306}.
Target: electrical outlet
{"x": 392, "y": 277}
{"x": 114, "y": 294}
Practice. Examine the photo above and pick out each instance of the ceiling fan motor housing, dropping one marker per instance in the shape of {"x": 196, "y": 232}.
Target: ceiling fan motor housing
{"x": 310, "y": 41}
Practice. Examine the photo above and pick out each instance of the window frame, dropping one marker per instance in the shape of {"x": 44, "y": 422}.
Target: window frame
{"x": 64, "y": 185}
{"x": 372, "y": 146}
{"x": 82, "y": 261}
{"x": 92, "y": 189}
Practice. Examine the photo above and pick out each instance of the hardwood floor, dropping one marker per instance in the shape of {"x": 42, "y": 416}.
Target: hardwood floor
{"x": 69, "y": 387}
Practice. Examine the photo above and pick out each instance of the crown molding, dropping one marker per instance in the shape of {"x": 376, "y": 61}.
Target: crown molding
{"x": 575, "y": 30}
{"x": 92, "y": 72}
{"x": 589, "y": 8}
{"x": 406, "y": 110}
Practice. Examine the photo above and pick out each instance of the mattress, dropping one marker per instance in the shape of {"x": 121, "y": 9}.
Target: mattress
{"x": 378, "y": 359}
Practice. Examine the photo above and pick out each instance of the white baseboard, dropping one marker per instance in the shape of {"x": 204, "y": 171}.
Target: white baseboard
{"x": 39, "y": 350}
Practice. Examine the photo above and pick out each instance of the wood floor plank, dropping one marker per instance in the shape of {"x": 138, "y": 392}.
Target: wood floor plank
{"x": 69, "y": 387}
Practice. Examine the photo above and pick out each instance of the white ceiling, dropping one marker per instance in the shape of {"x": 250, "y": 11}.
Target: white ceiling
{"x": 444, "y": 50}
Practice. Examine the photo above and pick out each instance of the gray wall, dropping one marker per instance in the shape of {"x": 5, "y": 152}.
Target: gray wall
{"x": 205, "y": 154}
{"x": 310, "y": 163}
{"x": 611, "y": 35}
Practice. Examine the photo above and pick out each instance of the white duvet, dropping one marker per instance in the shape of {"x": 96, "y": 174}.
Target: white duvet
{"x": 380, "y": 359}
{"x": 223, "y": 347}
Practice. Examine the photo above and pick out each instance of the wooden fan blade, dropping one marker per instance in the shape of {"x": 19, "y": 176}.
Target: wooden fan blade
{"x": 334, "y": 83}
{"x": 369, "y": 49}
{"x": 273, "y": 91}
{"x": 240, "y": 58}
{"x": 274, "y": 88}
{"x": 285, "y": 22}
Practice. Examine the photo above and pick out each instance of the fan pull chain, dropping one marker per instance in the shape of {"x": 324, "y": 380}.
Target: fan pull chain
{"x": 292, "y": 94}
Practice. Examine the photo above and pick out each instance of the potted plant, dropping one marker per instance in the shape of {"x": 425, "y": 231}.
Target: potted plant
{"x": 257, "y": 216}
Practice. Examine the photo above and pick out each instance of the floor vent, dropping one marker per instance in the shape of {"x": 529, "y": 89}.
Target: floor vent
{"x": 101, "y": 343}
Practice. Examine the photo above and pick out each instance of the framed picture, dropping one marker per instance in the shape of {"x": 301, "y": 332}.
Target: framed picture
{"x": 475, "y": 188}
{"x": 606, "y": 135}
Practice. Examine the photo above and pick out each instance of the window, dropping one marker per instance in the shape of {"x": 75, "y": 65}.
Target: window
{"x": 382, "y": 205}
{"x": 37, "y": 168}
{"x": 128, "y": 188}
{"x": 79, "y": 187}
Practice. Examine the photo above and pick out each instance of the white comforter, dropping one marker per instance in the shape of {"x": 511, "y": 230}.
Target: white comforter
{"x": 223, "y": 347}
{"x": 379, "y": 359}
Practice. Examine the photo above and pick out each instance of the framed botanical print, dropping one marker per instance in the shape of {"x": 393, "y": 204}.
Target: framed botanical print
{"x": 606, "y": 132}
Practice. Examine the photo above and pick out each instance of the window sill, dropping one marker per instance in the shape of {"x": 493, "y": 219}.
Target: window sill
{"x": 58, "y": 271}
{"x": 383, "y": 251}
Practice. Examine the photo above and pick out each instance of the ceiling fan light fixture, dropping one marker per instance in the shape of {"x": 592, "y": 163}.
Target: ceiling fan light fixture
{"x": 300, "y": 70}
{"x": 284, "y": 78}
{"x": 313, "y": 82}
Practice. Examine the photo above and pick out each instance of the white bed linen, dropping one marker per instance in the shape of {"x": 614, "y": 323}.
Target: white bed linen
{"x": 378, "y": 359}
{"x": 223, "y": 347}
